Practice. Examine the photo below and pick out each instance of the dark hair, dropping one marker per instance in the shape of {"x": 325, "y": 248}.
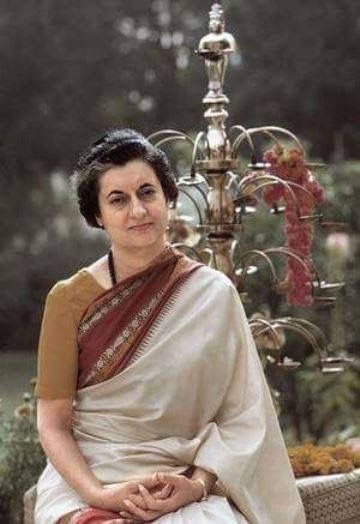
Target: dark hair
{"x": 117, "y": 147}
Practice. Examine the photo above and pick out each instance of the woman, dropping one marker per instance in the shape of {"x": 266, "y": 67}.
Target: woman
{"x": 152, "y": 404}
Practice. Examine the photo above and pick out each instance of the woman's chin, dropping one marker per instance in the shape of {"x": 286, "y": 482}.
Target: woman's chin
{"x": 146, "y": 240}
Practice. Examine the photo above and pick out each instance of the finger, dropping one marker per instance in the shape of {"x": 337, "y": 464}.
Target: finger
{"x": 140, "y": 513}
{"x": 138, "y": 500}
{"x": 128, "y": 517}
{"x": 169, "y": 478}
{"x": 150, "y": 501}
{"x": 125, "y": 515}
{"x": 154, "y": 504}
{"x": 156, "y": 478}
{"x": 164, "y": 493}
{"x": 150, "y": 482}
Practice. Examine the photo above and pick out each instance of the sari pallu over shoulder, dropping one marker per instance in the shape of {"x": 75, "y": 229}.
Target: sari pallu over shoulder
{"x": 196, "y": 397}
{"x": 116, "y": 323}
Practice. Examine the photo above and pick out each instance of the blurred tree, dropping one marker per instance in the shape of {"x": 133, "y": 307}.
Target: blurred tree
{"x": 300, "y": 68}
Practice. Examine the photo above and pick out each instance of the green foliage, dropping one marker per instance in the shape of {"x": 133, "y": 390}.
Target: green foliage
{"x": 21, "y": 462}
{"x": 315, "y": 406}
{"x": 329, "y": 404}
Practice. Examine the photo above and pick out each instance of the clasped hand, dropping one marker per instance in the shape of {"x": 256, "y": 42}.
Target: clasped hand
{"x": 148, "y": 498}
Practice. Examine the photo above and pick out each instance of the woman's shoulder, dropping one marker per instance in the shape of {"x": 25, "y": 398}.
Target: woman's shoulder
{"x": 213, "y": 284}
{"x": 212, "y": 294}
{"x": 215, "y": 278}
{"x": 66, "y": 285}
{"x": 81, "y": 284}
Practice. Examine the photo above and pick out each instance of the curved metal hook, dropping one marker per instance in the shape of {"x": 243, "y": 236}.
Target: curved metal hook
{"x": 203, "y": 194}
{"x": 307, "y": 323}
{"x": 250, "y": 179}
{"x": 253, "y": 254}
{"x": 302, "y": 331}
{"x": 166, "y": 132}
{"x": 193, "y": 201}
{"x": 194, "y": 184}
{"x": 180, "y": 245}
{"x": 174, "y": 135}
{"x": 235, "y": 143}
{"x": 199, "y": 136}
{"x": 302, "y": 327}
{"x": 308, "y": 265}
{"x": 265, "y": 129}
{"x": 298, "y": 186}
{"x": 290, "y": 253}
{"x": 265, "y": 327}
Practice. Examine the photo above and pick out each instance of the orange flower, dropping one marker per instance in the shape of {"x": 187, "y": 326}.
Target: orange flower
{"x": 344, "y": 466}
{"x": 308, "y": 459}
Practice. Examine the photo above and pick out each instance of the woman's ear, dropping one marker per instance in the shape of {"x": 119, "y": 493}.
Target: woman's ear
{"x": 99, "y": 222}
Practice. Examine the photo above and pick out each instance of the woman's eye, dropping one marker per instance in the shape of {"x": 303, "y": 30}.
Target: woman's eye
{"x": 118, "y": 200}
{"x": 148, "y": 192}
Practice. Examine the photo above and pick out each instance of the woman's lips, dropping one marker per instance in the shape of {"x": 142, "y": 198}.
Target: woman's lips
{"x": 141, "y": 227}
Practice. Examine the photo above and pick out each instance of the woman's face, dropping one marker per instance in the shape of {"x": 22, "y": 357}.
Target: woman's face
{"x": 133, "y": 208}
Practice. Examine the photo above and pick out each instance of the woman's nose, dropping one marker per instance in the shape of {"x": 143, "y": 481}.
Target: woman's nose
{"x": 137, "y": 208}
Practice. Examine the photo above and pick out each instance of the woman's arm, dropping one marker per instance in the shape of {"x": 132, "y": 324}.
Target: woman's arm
{"x": 207, "y": 479}
{"x": 54, "y": 427}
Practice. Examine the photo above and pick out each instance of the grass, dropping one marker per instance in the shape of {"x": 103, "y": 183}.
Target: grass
{"x": 17, "y": 369}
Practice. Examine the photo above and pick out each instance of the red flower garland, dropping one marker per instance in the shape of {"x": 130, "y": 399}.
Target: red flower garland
{"x": 290, "y": 166}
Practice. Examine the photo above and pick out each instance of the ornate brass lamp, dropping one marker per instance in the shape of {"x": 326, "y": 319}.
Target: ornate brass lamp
{"x": 221, "y": 194}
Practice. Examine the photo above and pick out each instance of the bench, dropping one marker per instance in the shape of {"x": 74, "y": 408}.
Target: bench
{"x": 330, "y": 499}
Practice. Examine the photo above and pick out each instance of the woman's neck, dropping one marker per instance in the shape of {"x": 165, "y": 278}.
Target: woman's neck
{"x": 128, "y": 262}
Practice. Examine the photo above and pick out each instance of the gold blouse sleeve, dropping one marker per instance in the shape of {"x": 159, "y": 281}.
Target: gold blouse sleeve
{"x": 57, "y": 351}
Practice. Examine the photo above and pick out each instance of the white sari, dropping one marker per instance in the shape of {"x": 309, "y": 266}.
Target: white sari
{"x": 194, "y": 394}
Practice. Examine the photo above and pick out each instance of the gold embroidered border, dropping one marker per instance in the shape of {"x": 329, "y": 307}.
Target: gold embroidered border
{"x": 124, "y": 339}
{"x": 105, "y": 308}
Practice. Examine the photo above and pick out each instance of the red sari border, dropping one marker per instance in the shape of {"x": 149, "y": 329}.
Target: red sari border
{"x": 116, "y": 323}
{"x": 92, "y": 516}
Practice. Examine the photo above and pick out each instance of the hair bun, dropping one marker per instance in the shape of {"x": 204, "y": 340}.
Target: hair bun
{"x": 112, "y": 140}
